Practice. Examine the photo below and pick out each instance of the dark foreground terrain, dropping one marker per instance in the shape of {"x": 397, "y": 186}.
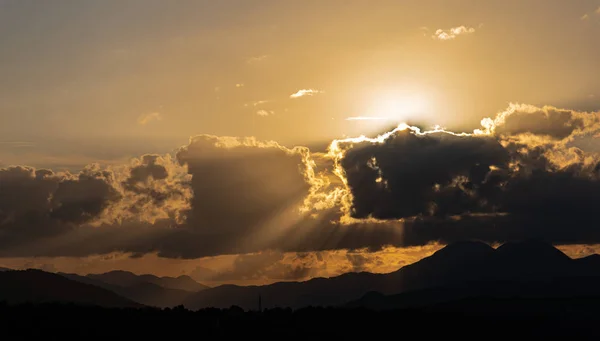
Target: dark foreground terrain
{"x": 466, "y": 290}
{"x": 480, "y": 318}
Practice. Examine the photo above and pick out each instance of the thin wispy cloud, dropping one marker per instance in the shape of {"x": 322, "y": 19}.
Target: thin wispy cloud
{"x": 305, "y": 92}
{"x": 17, "y": 144}
{"x": 452, "y": 33}
{"x": 586, "y": 16}
{"x": 147, "y": 118}
{"x": 265, "y": 113}
{"x": 256, "y": 103}
{"x": 257, "y": 59}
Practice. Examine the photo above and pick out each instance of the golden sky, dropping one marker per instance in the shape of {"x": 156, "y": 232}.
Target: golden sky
{"x": 208, "y": 86}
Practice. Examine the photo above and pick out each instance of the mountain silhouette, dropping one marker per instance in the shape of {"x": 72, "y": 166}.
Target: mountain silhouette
{"x": 4, "y": 269}
{"x": 145, "y": 289}
{"x": 525, "y": 270}
{"x": 127, "y": 279}
{"x": 463, "y": 270}
{"x": 455, "y": 267}
{"x": 36, "y": 286}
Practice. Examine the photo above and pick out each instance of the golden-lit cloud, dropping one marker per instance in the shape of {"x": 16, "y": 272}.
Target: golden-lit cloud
{"x": 265, "y": 113}
{"x": 151, "y": 188}
{"x": 522, "y": 125}
{"x": 258, "y": 268}
{"x": 257, "y": 59}
{"x": 579, "y": 250}
{"x": 257, "y": 103}
{"x": 305, "y": 92}
{"x": 239, "y": 195}
{"x": 150, "y": 117}
{"x": 452, "y": 33}
{"x": 263, "y": 267}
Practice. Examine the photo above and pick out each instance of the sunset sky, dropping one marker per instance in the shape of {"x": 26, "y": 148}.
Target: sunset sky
{"x": 221, "y": 139}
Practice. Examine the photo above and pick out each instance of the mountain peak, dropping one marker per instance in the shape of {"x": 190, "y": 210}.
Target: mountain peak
{"x": 463, "y": 249}
{"x": 532, "y": 249}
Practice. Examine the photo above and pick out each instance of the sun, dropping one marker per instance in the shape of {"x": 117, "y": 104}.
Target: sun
{"x": 394, "y": 105}
{"x": 397, "y": 106}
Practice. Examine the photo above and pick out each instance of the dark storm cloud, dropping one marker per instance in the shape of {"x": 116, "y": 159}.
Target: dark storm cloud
{"x": 36, "y": 203}
{"x": 444, "y": 175}
{"x": 409, "y": 175}
{"x": 82, "y": 198}
{"x": 493, "y": 187}
{"x": 512, "y": 179}
{"x": 39, "y": 204}
{"x": 240, "y": 184}
{"x": 227, "y": 189}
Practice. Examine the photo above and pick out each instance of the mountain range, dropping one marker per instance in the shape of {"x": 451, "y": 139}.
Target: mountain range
{"x": 458, "y": 263}
{"x": 148, "y": 290}
{"x": 463, "y": 270}
{"x": 36, "y": 286}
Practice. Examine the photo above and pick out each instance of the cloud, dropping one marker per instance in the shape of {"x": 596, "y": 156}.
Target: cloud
{"x": 265, "y": 113}
{"x": 267, "y": 265}
{"x": 257, "y": 59}
{"x": 216, "y": 193}
{"x": 257, "y": 103}
{"x": 240, "y": 184}
{"x": 586, "y": 16}
{"x": 305, "y": 92}
{"x": 147, "y": 118}
{"x": 244, "y": 269}
{"x": 519, "y": 175}
{"x": 427, "y": 174}
{"x": 273, "y": 266}
{"x": 452, "y": 33}
{"x": 239, "y": 85}
{"x": 37, "y": 203}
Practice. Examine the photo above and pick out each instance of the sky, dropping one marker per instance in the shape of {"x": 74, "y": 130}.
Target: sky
{"x": 212, "y": 137}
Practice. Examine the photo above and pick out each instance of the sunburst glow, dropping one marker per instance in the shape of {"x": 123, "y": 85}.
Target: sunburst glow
{"x": 397, "y": 106}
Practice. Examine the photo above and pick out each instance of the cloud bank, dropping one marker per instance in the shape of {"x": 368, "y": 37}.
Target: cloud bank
{"x": 520, "y": 175}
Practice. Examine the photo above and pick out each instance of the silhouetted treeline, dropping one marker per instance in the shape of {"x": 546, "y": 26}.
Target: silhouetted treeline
{"x": 481, "y": 319}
